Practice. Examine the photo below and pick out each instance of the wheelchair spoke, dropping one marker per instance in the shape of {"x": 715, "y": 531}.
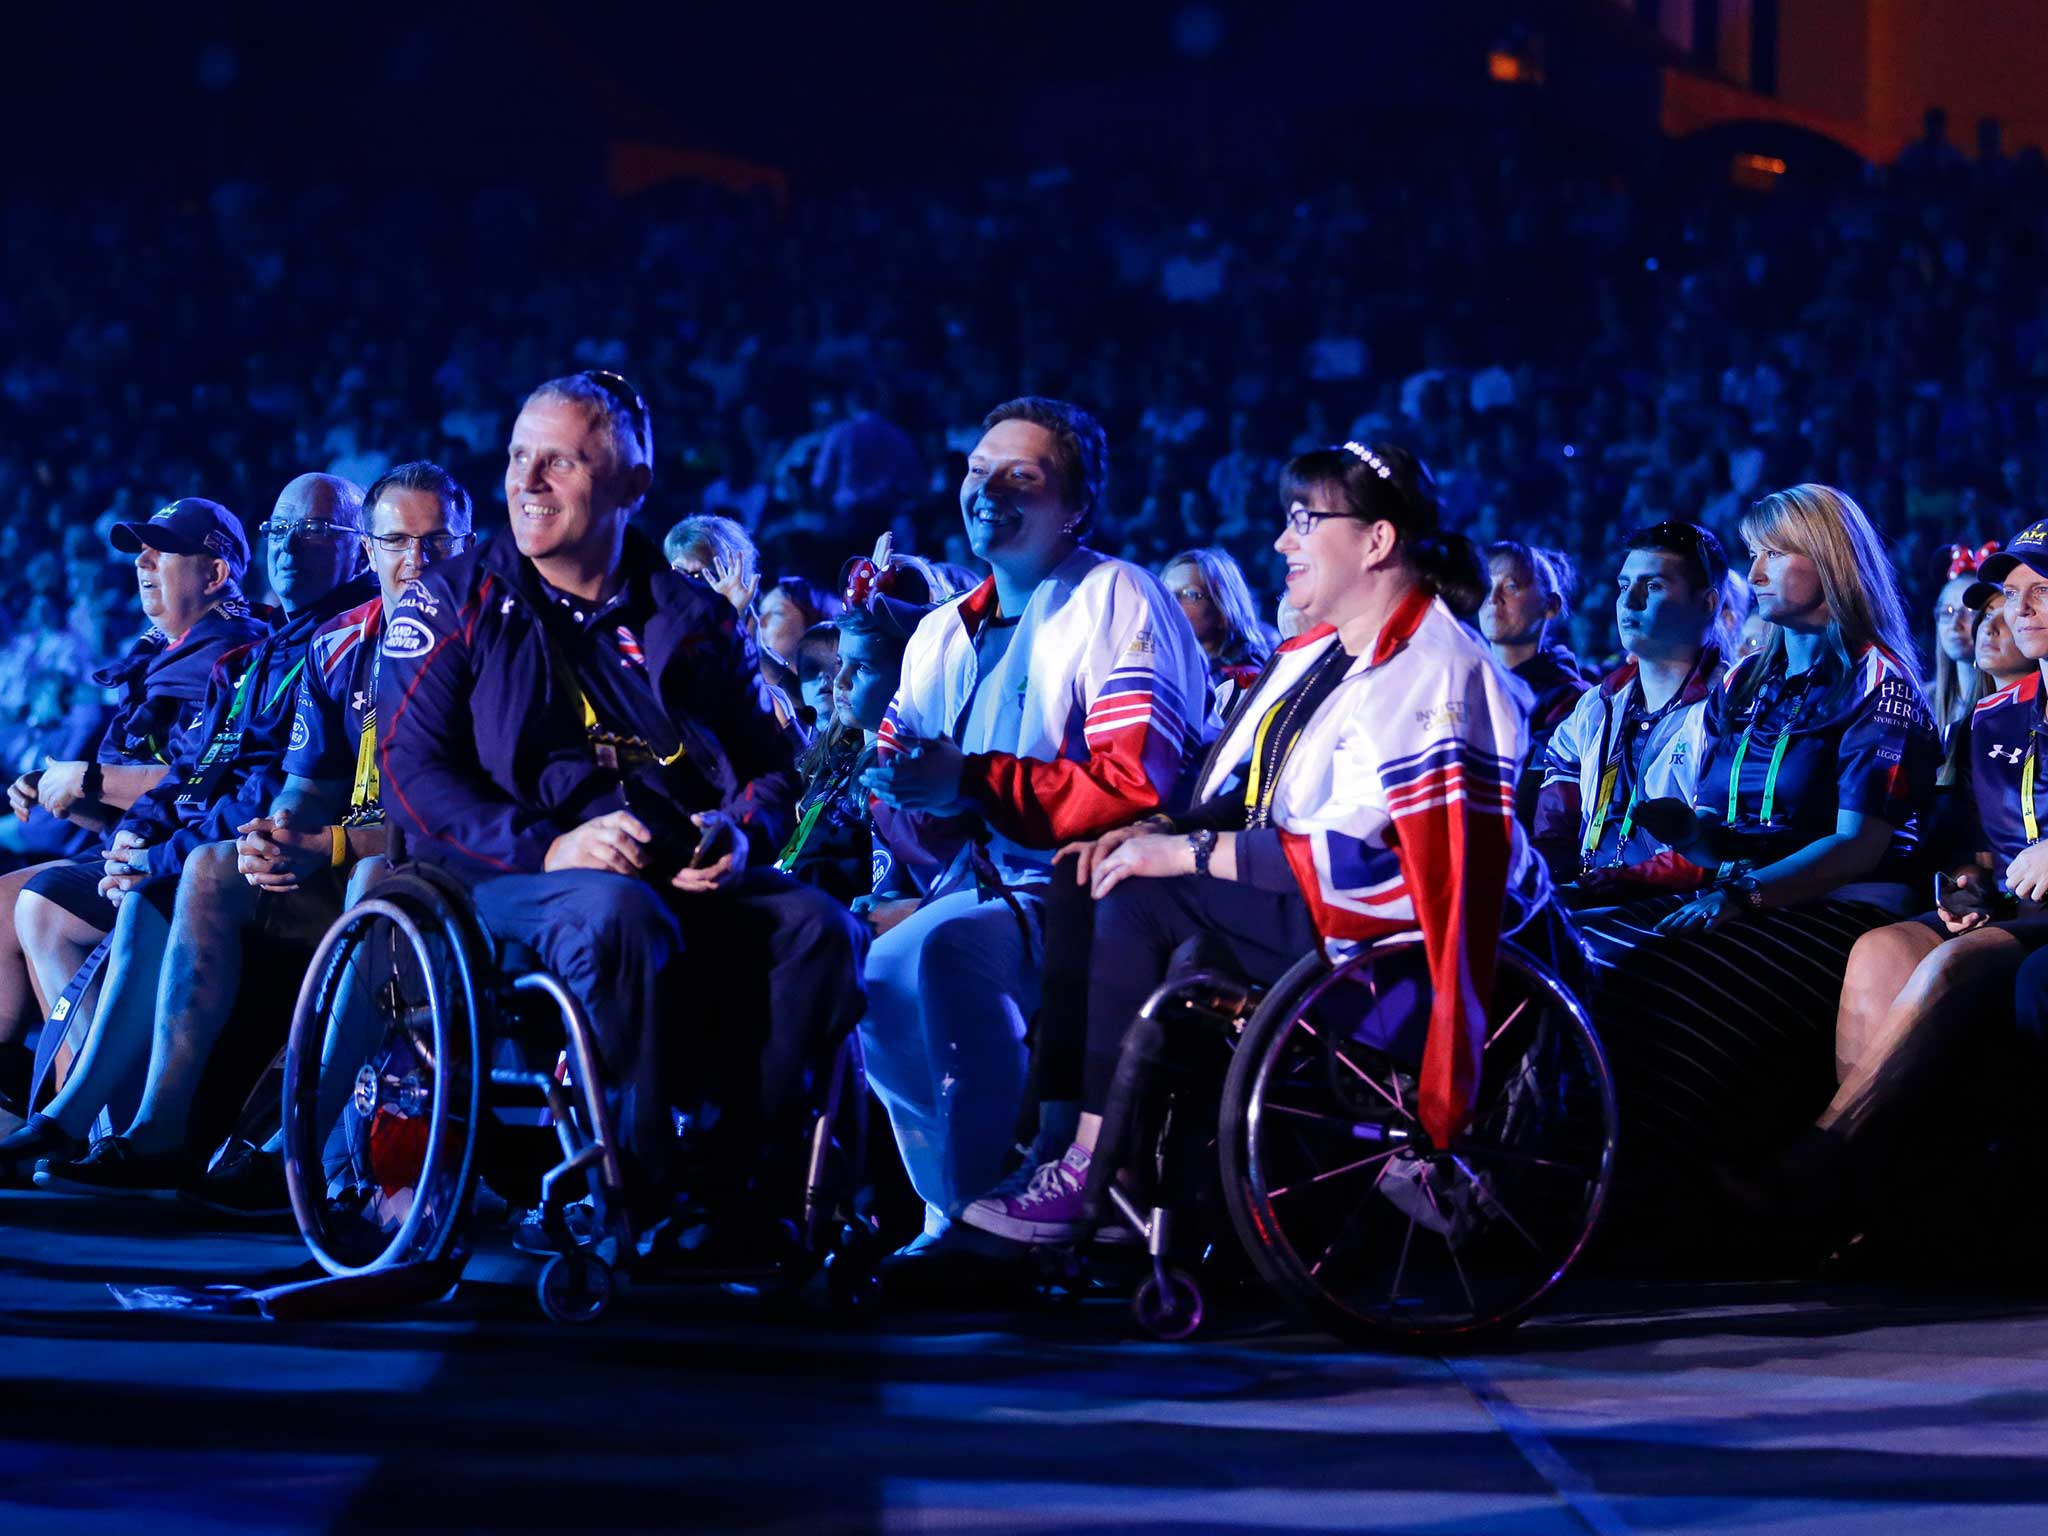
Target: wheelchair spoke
{"x": 1363, "y": 1162}
{"x": 1401, "y": 1265}
{"x": 1505, "y": 1025}
{"x": 1464, "y": 1284}
{"x": 1342, "y": 1125}
{"x": 1481, "y": 1149}
{"x": 1357, "y": 1210}
{"x": 1356, "y": 1070}
{"x": 1488, "y": 1197}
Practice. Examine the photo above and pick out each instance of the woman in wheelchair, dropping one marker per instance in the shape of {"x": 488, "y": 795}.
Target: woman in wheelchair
{"x": 1363, "y": 789}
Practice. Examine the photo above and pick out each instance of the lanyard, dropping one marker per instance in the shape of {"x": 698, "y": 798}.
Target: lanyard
{"x": 2027, "y": 817}
{"x": 1770, "y": 774}
{"x": 607, "y": 743}
{"x": 227, "y": 741}
{"x": 365, "y": 791}
{"x": 1599, "y": 821}
{"x": 1770, "y": 803}
{"x": 1277, "y": 728}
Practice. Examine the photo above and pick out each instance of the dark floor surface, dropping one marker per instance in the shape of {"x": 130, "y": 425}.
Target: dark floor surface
{"x": 1631, "y": 1407}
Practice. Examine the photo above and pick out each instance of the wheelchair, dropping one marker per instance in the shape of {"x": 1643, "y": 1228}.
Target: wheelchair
{"x": 422, "y": 1050}
{"x": 1313, "y": 1149}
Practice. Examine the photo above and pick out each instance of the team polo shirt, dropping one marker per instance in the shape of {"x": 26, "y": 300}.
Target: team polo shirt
{"x": 2004, "y": 731}
{"x": 336, "y": 711}
{"x": 1853, "y": 738}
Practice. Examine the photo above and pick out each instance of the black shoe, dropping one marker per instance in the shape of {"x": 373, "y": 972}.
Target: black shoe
{"x": 247, "y": 1181}
{"x": 529, "y": 1236}
{"x": 112, "y": 1167}
{"x": 40, "y": 1139}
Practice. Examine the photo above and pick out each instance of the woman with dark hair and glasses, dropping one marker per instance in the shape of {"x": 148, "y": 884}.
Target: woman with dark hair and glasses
{"x": 1363, "y": 790}
{"x": 1634, "y": 737}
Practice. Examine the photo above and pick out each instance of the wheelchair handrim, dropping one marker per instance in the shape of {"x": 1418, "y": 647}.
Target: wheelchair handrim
{"x": 317, "y": 996}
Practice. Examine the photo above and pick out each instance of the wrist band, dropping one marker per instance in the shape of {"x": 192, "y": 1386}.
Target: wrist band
{"x": 340, "y": 846}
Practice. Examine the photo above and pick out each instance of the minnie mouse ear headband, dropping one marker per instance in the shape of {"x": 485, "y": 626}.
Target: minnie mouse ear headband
{"x": 886, "y": 592}
{"x": 1965, "y": 561}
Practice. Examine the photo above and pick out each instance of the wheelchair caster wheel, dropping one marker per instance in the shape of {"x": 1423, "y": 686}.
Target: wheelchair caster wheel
{"x": 566, "y": 1299}
{"x": 1171, "y": 1312}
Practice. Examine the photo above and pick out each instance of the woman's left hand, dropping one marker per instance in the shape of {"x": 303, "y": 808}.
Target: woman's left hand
{"x": 2027, "y": 875}
{"x": 1703, "y": 914}
{"x": 1155, "y": 856}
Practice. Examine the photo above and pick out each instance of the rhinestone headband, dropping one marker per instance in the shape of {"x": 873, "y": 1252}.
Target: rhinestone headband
{"x": 1371, "y": 460}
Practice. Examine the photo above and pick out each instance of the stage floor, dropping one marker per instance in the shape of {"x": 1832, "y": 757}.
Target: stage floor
{"x": 1698, "y": 1408}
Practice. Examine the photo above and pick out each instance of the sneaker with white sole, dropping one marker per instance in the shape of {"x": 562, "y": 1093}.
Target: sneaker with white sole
{"x": 1049, "y": 1209}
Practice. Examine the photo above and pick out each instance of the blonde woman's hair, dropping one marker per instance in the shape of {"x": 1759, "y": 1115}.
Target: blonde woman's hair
{"x": 1828, "y": 528}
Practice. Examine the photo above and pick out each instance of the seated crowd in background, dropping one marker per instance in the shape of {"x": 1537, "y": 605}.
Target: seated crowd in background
{"x": 828, "y": 583}
{"x": 976, "y": 820}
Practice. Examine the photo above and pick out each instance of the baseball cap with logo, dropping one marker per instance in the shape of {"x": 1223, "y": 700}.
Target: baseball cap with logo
{"x": 191, "y": 525}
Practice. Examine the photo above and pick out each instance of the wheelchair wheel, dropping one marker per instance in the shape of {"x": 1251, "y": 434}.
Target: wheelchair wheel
{"x": 1341, "y": 1201}
{"x": 382, "y": 1092}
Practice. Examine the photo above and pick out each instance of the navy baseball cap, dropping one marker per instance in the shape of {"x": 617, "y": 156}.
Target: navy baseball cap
{"x": 191, "y": 525}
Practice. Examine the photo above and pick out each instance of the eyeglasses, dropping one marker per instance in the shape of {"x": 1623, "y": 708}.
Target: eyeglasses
{"x": 305, "y": 533}
{"x": 1946, "y": 613}
{"x": 1303, "y": 519}
{"x": 1196, "y": 594}
{"x": 629, "y": 401}
{"x": 434, "y": 546}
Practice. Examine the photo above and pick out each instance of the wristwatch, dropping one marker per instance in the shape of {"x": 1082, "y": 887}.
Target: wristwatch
{"x": 1204, "y": 844}
{"x": 1749, "y": 891}
{"x": 93, "y": 781}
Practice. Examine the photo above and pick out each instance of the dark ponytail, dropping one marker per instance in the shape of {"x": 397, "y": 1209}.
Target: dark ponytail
{"x": 1449, "y": 564}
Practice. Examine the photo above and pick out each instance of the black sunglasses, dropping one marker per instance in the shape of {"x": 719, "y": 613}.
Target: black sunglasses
{"x": 629, "y": 401}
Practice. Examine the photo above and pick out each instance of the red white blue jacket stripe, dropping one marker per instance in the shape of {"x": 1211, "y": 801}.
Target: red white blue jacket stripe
{"x": 1114, "y": 697}
{"x": 1395, "y": 807}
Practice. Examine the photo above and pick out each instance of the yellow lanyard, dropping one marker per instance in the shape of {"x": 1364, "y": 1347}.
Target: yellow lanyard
{"x": 2027, "y": 818}
{"x": 590, "y": 726}
{"x": 1599, "y": 822}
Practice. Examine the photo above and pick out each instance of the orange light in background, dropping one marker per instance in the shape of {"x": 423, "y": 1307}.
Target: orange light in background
{"x": 1756, "y": 173}
{"x": 1512, "y": 68}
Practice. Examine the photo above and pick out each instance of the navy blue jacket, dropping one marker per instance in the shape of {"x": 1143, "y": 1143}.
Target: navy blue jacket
{"x": 171, "y": 829}
{"x": 483, "y": 754}
{"x": 163, "y": 688}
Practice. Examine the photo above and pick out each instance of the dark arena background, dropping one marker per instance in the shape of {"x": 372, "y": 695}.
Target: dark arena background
{"x": 1618, "y": 272}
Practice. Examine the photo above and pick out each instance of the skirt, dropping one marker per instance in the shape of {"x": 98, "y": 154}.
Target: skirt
{"x": 1722, "y": 1045}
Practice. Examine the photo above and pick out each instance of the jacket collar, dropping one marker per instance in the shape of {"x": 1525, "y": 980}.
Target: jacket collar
{"x": 1399, "y": 629}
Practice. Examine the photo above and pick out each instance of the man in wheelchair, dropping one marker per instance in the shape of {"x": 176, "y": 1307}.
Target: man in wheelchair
{"x": 581, "y": 735}
{"x": 1363, "y": 789}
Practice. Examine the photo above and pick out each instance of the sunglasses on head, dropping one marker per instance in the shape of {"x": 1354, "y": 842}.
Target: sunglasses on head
{"x": 628, "y": 399}
{"x": 1698, "y": 544}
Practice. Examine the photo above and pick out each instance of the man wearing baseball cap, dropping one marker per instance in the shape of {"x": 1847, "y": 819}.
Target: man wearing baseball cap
{"x": 191, "y": 525}
{"x": 230, "y": 773}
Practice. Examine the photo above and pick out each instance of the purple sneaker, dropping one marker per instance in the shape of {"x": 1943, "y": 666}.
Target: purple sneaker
{"x": 1047, "y": 1211}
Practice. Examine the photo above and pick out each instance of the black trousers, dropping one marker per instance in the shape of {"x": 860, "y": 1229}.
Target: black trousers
{"x": 737, "y": 996}
{"x": 1140, "y": 926}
